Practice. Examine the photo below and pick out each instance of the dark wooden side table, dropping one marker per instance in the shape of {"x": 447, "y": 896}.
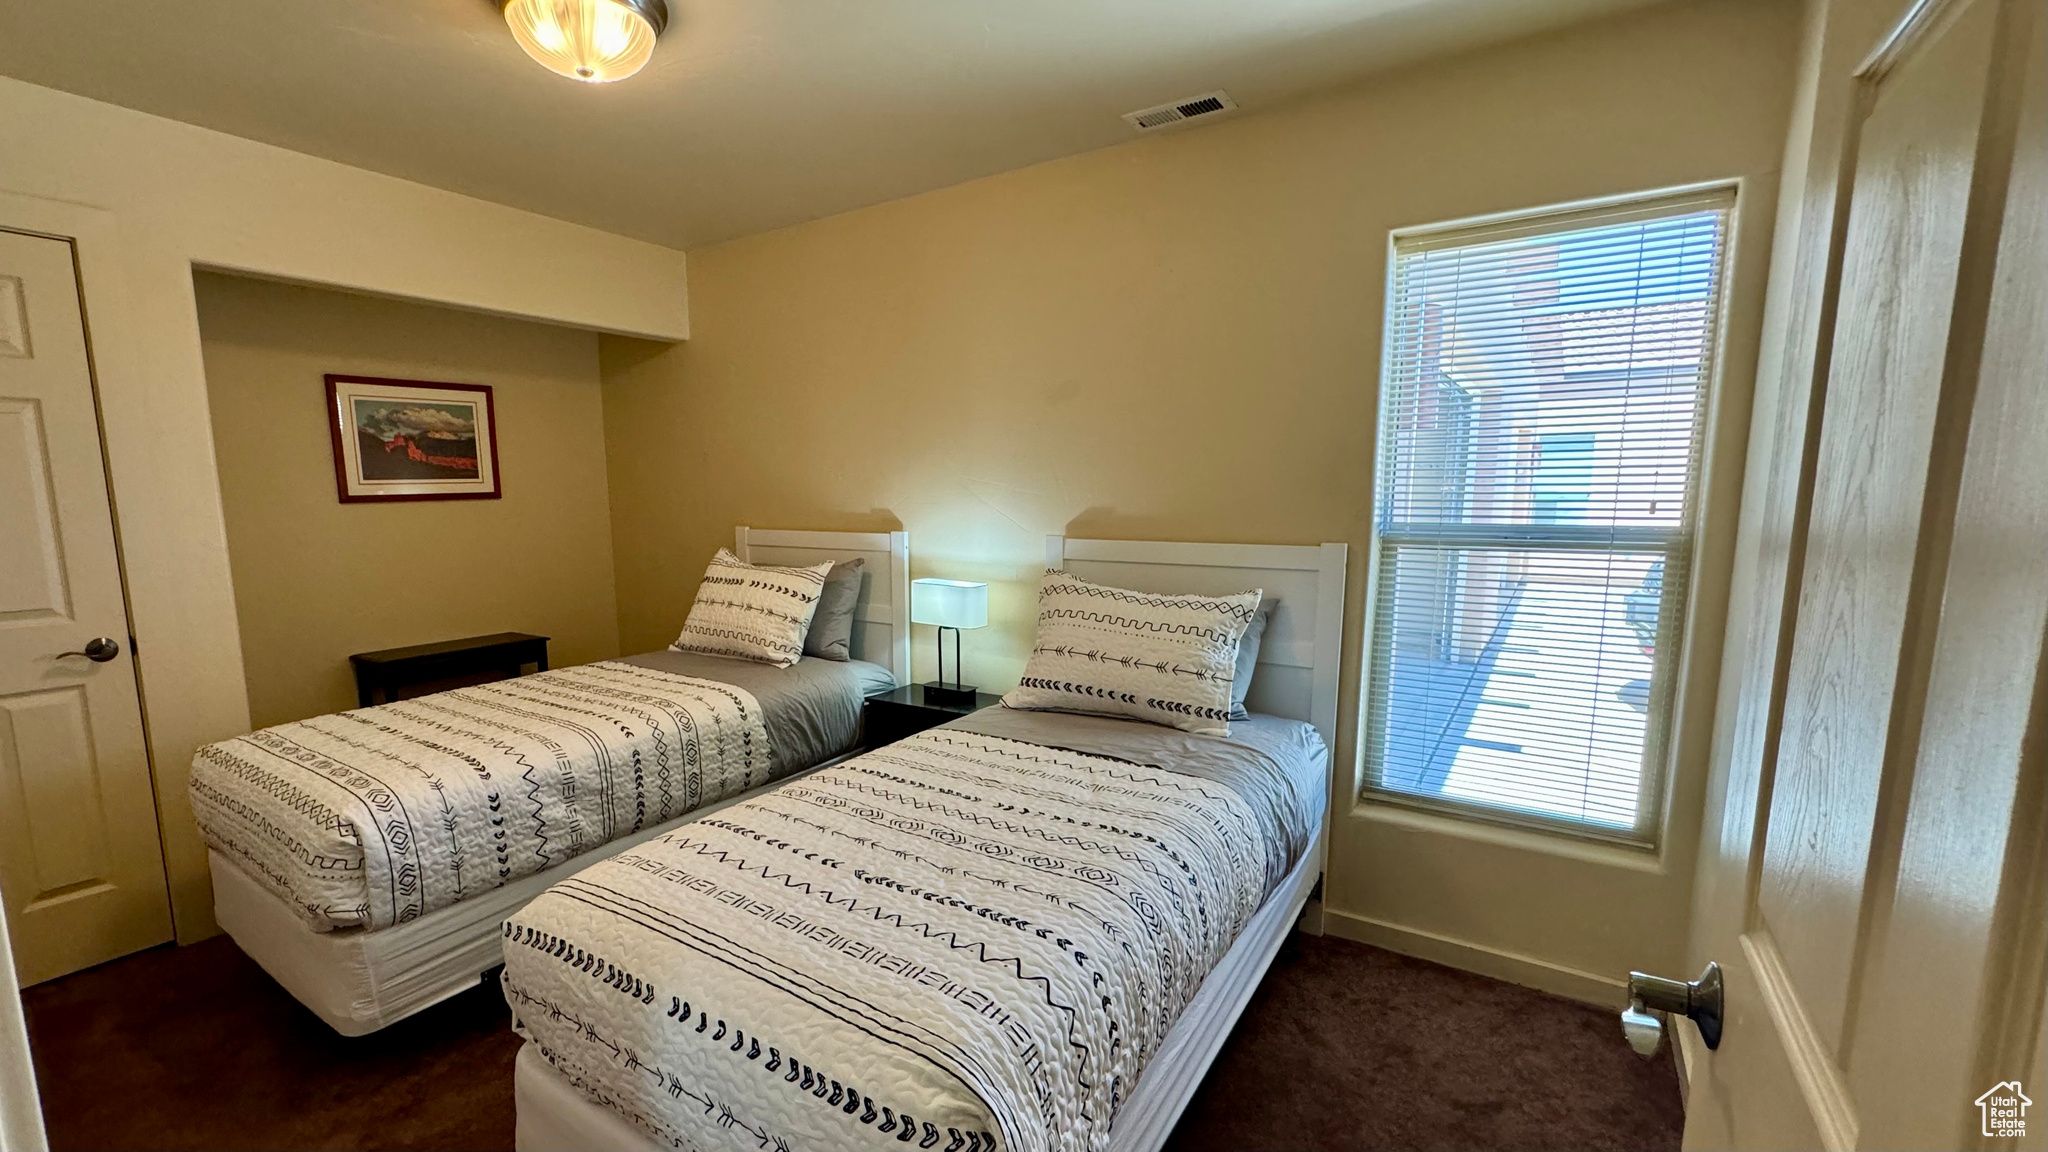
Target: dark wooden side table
{"x": 891, "y": 716}
{"x": 473, "y": 657}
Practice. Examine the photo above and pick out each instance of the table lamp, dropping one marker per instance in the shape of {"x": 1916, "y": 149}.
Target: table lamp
{"x": 951, "y": 605}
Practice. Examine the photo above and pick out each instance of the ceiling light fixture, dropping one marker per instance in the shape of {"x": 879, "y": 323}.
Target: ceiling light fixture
{"x": 595, "y": 41}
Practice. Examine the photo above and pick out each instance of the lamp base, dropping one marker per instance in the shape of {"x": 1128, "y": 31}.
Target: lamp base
{"x": 947, "y": 695}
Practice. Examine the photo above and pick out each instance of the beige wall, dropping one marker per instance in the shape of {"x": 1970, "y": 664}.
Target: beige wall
{"x": 147, "y": 199}
{"x": 1179, "y": 339}
{"x": 316, "y": 579}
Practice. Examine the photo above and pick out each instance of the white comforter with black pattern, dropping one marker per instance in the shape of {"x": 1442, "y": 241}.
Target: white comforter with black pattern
{"x": 377, "y": 816}
{"x": 962, "y": 941}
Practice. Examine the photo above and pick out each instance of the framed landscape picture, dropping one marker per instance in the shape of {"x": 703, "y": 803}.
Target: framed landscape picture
{"x": 412, "y": 439}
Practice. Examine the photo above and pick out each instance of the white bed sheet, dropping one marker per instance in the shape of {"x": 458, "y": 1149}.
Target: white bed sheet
{"x": 360, "y": 981}
{"x": 374, "y": 817}
{"x": 940, "y": 819}
{"x": 553, "y": 1116}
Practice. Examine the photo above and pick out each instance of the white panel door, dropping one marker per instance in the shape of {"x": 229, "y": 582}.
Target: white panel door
{"x": 81, "y": 864}
{"x": 1885, "y": 967}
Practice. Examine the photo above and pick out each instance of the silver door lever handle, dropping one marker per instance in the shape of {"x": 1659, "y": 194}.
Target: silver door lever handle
{"x": 1698, "y": 1000}
{"x": 99, "y": 650}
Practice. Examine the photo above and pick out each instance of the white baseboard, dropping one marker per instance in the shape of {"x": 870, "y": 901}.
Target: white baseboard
{"x": 1513, "y": 967}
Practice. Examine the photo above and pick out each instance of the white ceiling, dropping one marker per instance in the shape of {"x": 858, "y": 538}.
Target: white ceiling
{"x": 753, "y": 114}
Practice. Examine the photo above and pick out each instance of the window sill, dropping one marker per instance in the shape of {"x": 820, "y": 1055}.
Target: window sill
{"x": 1636, "y": 859}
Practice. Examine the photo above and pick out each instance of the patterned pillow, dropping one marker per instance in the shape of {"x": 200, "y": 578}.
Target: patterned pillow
{"x": 1166, "y": 659}
{"x": 752, "y": 611}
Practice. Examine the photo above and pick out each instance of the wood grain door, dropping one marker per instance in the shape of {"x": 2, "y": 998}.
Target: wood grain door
{"x": 1885, "y": 958}
{"x": 81, "y": 863}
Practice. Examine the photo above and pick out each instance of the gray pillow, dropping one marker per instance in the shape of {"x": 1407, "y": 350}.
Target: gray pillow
{"x": 1247, "y": 657}
{"x": 831, "y": 634}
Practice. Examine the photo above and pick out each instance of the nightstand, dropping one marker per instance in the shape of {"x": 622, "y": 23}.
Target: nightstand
{"x": 498, "y": 656}
{"x": 891, "y": 716}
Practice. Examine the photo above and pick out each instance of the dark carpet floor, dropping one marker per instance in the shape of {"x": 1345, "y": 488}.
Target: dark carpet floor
{"x": 1345, "y": 1046}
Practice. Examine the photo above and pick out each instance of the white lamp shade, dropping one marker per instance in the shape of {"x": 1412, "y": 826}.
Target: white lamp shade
{"x": 949, "y": 603}
{"x": 595, "y": 41}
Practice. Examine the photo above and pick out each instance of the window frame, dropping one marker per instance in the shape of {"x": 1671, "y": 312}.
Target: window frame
{"x": 1678, "y": 544}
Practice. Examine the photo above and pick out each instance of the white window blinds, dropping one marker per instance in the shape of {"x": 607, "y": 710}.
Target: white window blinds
{"x": 1540, "y": 431}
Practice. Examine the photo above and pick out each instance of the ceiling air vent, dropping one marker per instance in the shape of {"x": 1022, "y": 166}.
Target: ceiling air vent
{"x": 1178, "y": 111}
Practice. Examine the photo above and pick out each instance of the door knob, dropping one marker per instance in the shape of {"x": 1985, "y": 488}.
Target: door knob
{"x": 99, "y": 650}
{"x": 1698, "y": 1000}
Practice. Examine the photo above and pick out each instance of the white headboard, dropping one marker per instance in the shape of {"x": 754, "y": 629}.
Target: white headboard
{"x": 1298, "y": 659}
{"x": 881, "y": 621}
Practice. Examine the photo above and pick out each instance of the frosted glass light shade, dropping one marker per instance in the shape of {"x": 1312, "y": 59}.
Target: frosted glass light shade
{"x": 596, "y": 41}
{"x": 949, "y": 603}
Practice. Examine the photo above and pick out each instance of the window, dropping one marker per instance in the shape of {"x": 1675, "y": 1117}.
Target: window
{"x": 1540, "y": 437}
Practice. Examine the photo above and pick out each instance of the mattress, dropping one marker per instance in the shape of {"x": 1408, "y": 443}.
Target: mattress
{"x": 977, "y": 937}
{"x": 377, "y": 817}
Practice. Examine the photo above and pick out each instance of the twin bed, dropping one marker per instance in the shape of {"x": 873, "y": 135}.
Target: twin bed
{"x": 1024, "y": 929}
{"x": 1020, "y": 929}
{"x": 367, "y": 859}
